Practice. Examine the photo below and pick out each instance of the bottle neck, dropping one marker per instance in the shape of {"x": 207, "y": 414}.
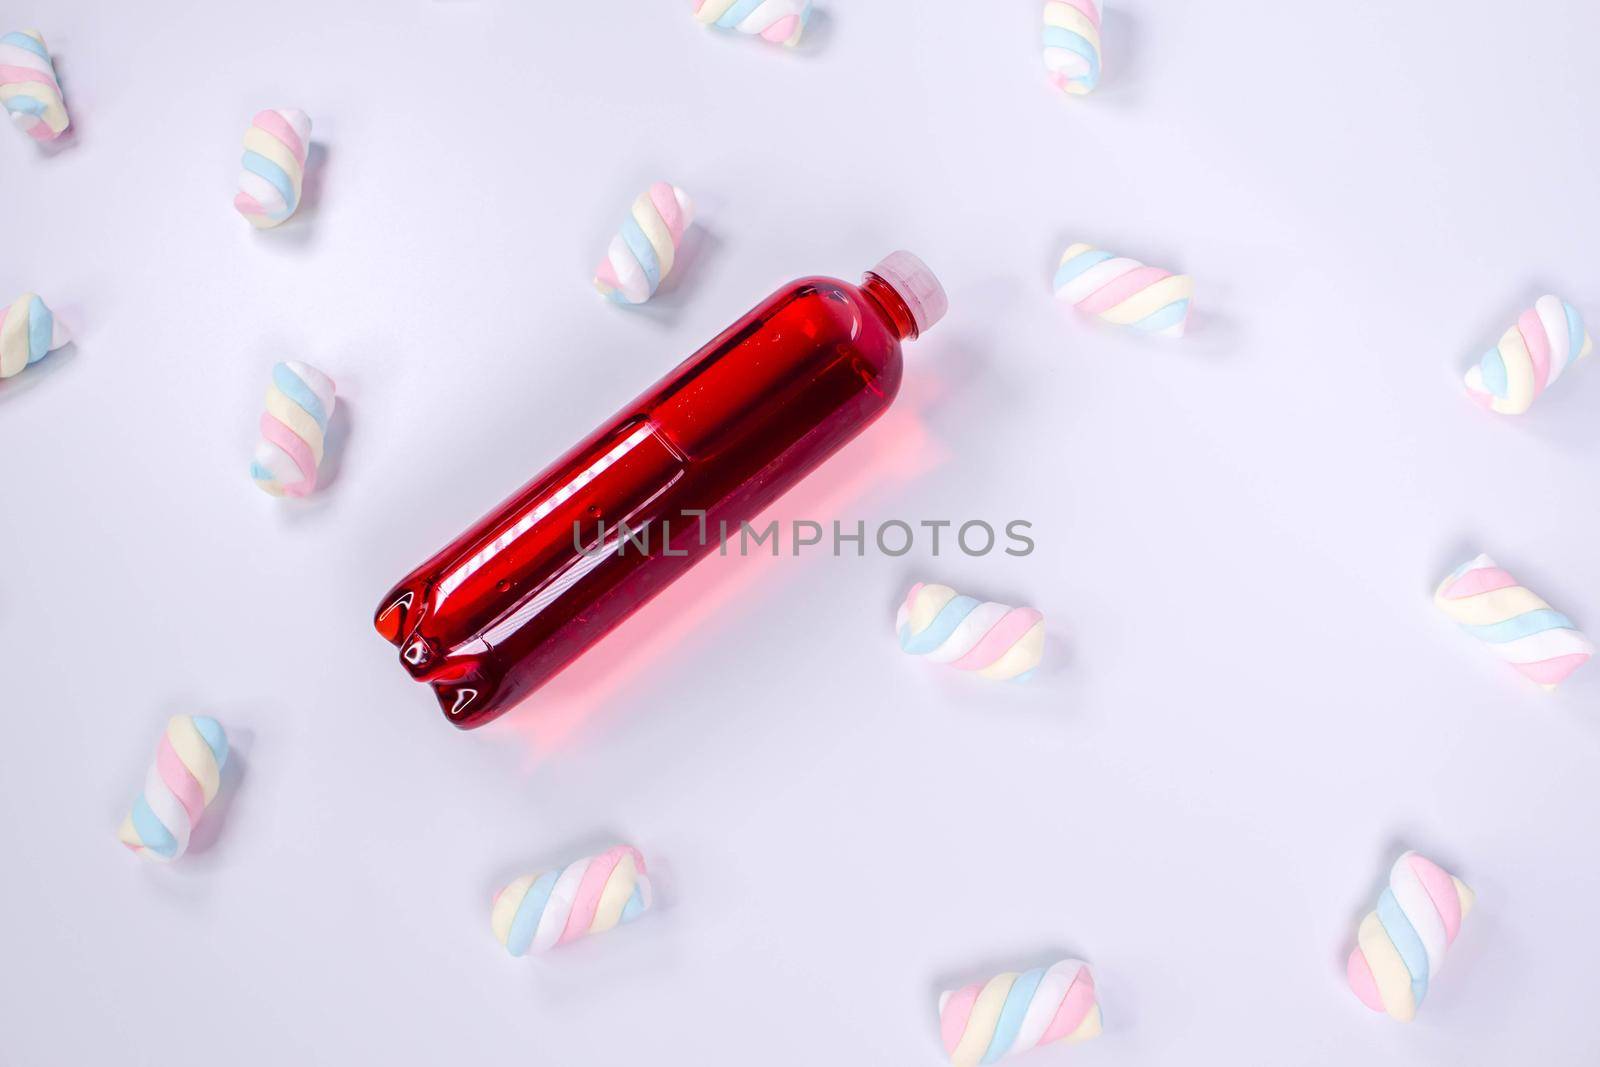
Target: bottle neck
{"x": 892, "y": 304}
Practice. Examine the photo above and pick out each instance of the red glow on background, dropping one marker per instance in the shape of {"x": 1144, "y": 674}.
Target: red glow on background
{"x": 701, "y": 606}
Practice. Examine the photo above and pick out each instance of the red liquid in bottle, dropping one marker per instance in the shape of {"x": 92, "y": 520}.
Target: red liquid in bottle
{"x": 533, "y": 584}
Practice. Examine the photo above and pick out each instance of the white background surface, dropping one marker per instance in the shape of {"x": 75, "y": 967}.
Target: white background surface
{"x": 1252, "y": 705}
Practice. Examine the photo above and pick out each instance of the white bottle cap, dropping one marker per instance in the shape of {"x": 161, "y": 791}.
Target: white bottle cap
{"x": 911, "y": 278}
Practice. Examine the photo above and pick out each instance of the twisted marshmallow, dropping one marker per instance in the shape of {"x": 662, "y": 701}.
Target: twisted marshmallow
{"x": 1400, "y": 946}
{"x": 1013, "y": 1013}
{"x": 1124, "y": 291}
{"x": 1072, "y": 44}
{"x": 779, "y": 21}
{"x": 587, "y": 896}
{"x": 1522, "y": 629}
{"x": 28, "y": 333}
{"x": 181, "y": 784}
{"x": 1547, "y": 339}
{"x": 643, "y": 251}
{"x": 300, "y": 402}
{"x": 274, "y": 166}
{"x": 28, "y": 86}
{"x": 992, "y": 639}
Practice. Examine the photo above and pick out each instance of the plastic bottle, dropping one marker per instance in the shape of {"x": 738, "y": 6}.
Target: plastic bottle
{"x": 514, "y": 599}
